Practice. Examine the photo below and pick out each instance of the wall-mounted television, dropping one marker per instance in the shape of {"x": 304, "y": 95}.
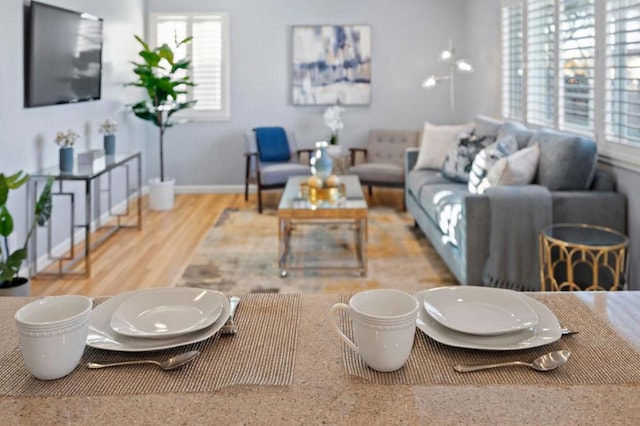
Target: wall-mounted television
{"x": 63, "y": 56}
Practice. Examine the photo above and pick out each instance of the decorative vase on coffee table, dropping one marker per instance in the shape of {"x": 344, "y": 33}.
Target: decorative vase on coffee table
{"x": 66, "y": 159}
{"x": 321, "y": 162}
{"x": 109, "y": 144}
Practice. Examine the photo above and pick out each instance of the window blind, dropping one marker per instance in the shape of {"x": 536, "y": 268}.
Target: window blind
{"x": 541, "y": 96}
{"x": 208, "y": 57}
{"x": 576, "y": 51}
{"x": 512, "y": 60}
{"x": 622, "y": 111}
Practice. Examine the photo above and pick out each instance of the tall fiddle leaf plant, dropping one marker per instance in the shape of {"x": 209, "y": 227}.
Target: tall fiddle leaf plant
{"x": 10, "y": 262}
{"x": 164, "y": 78}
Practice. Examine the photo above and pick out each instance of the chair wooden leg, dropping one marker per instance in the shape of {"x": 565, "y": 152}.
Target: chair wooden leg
{"x": 259, "y": 199}
{"x": 370, "y": 190}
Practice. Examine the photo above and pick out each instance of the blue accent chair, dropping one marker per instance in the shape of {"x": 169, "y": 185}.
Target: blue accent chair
{"x": 270, "y": 163}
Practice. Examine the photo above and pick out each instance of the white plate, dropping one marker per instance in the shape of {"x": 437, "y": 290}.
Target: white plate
{"x": 546, "y": 331}
{"x": 102, "y": 336}
{"x": 484, "y": 311}
{"x": 168, "y": 312}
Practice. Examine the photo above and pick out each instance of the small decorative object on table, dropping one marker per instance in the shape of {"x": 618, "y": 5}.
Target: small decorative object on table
{"x": 333, "y": 120}
{"x": 321, "y": 162}
{"x": 66, "y": 142}
{"x": 108, "y": 128}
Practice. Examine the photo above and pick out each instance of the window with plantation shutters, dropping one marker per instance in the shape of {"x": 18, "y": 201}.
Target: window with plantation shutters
{"x": 209, "y": 54}
{"x": 512, "y": 60}
{"x": 576, "y": 55}
{"x": 622, "y": 110}
{"x": 541, "y": 73}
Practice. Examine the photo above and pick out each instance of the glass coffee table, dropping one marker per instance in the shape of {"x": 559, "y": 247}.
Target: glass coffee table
{"x": 582, "y": 257}
{"x": 301, "y": 206}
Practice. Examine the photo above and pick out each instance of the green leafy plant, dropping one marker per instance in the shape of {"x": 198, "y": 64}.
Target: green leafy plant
{"x": 165, "y": 79}
{"x": 10, "y": 262}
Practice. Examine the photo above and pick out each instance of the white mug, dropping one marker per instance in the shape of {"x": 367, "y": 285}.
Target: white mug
{"x": 384, "y": 323}
{"x": 53, "y": 334}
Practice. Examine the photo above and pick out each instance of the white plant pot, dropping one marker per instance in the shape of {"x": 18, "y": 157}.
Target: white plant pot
{"x": 161, "y": 194}
{"x": 22, "y": 290}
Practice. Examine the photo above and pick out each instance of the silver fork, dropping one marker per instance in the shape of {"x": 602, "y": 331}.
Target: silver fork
{"x": 230, "y": 326}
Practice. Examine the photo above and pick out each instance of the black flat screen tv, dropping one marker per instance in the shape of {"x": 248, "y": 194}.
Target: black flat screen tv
{"x": 63, "y": 56}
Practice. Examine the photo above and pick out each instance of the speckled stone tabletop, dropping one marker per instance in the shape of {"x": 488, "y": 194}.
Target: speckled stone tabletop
{"x": 323, "y": 393}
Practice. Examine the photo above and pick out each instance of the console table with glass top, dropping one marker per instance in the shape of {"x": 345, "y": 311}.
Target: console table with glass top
{"x": 67, "y": 264}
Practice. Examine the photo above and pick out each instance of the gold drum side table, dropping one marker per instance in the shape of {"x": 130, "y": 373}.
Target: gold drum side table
{"x": 582, "y": 257}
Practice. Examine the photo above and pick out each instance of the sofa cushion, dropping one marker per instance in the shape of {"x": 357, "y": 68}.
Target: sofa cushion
{"x": 487, "y": 127}
{"x": 418, "y": 179}
{"x": 518, "y": 130}
{"x": 518, "y": 168}
{"x": 436, "y": 142}
{"x": 278, "y": 173}
{"x": 457, "y": 164}
{"x": 485, "y": 160}
{"x": 272, "y": 144}
{"x": 379, "y": 172}
{"x": 567, "y": 162}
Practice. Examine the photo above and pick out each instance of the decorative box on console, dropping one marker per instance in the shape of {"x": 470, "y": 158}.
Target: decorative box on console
{"x": 90, "y": 156}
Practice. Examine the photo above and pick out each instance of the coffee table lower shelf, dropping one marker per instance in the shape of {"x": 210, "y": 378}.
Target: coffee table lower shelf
{"x": 286, "y": 226}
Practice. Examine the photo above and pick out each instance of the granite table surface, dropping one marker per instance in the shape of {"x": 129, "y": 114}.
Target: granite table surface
{"x": 323, "y": 393}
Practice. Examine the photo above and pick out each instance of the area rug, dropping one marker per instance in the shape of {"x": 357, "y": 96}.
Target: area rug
{"x": 240, "y": 255}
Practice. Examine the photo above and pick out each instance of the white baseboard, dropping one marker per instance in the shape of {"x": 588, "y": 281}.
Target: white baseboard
{"x": 212, "y": 189}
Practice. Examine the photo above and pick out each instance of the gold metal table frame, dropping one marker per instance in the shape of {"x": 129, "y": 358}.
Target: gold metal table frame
{"x": 296, "y": 209}
{"x": 597, "y": 251}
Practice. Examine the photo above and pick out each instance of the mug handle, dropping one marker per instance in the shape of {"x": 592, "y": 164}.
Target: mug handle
{"x": 332, "y": 317}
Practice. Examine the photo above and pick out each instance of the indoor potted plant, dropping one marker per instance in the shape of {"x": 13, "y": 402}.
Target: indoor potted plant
{"x": 11, "y": 283}
{"x": 164, "y": 79}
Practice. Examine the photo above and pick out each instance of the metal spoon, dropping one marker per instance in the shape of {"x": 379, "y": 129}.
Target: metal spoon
{"x": 167, "y": 364}
{"x": 546, "y": 362}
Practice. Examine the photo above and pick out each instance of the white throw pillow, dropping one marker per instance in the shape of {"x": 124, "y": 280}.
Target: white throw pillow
{"x": 436, "y": 142}
{"x": 486, "y": 159}
{"x": 518, "y": 168}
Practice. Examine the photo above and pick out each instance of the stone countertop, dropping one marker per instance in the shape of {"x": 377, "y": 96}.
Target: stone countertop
{"x": 323, "y": 393}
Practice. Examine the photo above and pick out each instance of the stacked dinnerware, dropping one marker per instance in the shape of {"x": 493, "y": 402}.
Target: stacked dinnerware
{"x": 485, "y": 318}
{"x": 53, "y": 333}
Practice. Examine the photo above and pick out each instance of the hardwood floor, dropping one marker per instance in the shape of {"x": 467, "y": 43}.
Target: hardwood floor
{"x": 157, "y": 255}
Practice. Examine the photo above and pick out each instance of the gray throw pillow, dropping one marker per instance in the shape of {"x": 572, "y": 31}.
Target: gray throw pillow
{"x": 487, "y": 127}
{"x": 457, "y": 164}
{"x": 518, "y": 130}
{"x": 485, "y": 160}
{"x": 567, "y": 162}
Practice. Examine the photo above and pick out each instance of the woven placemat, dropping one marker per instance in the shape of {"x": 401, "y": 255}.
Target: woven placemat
{"x": 598, "y": 355}
{"x": 262, "y": 353}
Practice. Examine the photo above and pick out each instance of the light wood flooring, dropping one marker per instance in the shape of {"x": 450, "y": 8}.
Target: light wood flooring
{"x": 157, "y": 255}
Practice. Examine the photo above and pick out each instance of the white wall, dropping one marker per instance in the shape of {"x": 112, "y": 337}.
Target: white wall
{"x": 27, "y": 139}
{"x": 407, "y": 36}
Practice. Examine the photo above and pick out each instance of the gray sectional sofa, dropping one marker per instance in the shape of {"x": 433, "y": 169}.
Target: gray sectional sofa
{"x": 463, "y": 241}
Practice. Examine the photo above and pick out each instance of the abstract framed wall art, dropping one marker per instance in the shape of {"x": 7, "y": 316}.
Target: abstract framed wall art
{"x": 331, "y": 65}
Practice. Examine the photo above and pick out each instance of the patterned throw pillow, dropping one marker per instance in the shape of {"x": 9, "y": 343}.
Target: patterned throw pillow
{"x": 485, "y": 160}
{"x": 458, "y": 161}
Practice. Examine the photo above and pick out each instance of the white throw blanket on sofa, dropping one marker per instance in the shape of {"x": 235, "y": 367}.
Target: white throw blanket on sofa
{"x": 518, "y": 213}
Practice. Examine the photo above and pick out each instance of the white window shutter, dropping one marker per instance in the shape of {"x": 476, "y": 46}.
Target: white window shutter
{"x": 622, "y": 111}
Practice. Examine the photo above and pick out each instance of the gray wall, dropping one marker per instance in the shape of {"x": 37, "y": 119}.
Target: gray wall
{"x": 407, "y": 36}
{"x": 27, "y": 141}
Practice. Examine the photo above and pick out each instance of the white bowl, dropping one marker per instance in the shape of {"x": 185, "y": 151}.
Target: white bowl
{"x": 54, "y": 312}
{"x": 53, "y": 354}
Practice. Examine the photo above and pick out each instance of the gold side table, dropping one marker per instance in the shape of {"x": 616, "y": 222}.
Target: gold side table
{"x": 582, "y": 257}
